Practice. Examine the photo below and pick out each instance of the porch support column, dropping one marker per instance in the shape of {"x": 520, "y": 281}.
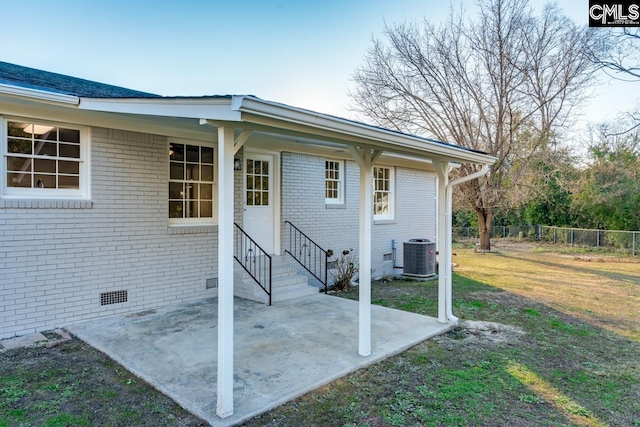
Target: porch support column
{"x": 225, "y": 272}
{"x": 365, "y": 158}
{"x": 442, "y": 169}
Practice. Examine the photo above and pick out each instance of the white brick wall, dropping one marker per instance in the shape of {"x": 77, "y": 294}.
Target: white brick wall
{"x": 336, "y": 227}
{"x": 54, "y": 263}
{"x": 57, "y": 259}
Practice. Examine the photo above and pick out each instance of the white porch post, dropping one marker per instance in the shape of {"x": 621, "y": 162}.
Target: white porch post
{"x": 364, "y": 288}
{"x": 442, "y": 169}
{"x": 365, "y": 159}
{"x": 225, "y": 272}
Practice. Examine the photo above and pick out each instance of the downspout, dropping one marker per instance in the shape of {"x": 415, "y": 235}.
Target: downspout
{"x": 449, "y": 233}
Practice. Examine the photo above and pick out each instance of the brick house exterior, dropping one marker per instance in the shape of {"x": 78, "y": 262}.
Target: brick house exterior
{"x": 116, "y": 201}
{"x": 58, "y": 258}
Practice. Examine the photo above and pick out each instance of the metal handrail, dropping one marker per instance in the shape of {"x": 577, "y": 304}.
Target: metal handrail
{"x": 309, "y": 254}
{"x": 255, "y": 260}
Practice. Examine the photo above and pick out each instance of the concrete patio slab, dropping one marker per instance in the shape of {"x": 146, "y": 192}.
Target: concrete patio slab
{"x": 281, "y": 352}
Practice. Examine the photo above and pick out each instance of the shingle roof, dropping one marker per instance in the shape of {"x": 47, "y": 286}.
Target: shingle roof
{"x": 31, "y": 78}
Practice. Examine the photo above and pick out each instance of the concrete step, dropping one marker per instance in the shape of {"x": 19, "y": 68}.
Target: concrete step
{"x": 276, "y": 271}
{"x": 292, "y": 292}
{"x": 286, "y": 282}
{"x": 280, "y": 294}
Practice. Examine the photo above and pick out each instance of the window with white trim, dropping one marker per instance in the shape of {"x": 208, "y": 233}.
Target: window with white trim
{"x": 44, "y": 160}
{"x": 191, "y": 183}
{"x": 383, "y": 193}
{"x": 334, "y": 181}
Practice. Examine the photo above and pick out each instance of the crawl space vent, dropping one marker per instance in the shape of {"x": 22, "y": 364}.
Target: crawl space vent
{"x": 387, "y": 257}
{"x": 212, "y": 283}
{"x": 115, "y": 297}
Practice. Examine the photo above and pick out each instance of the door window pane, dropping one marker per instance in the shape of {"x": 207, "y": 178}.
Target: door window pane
{"x": 206, "y": 191}
{"x": 176, "y": 152}
{"x": 193, "y": 153}
{"x": 175, "y": 209}
{"x": 176, "y": 171}
{"x": 207, "y": 155}
{"x": 206, "y": 172}
{"x": 206, "y": 209}
{"x": 176, "y": 190}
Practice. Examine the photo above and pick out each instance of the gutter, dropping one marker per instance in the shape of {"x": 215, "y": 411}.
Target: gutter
{"x": 449, "y": 232}
{"x": 286, "y": 113}
{"x": 39, "y": 95}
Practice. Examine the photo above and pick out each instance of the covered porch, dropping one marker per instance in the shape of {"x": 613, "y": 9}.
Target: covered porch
{"x": 233, "y": 121}
{"x": 281, "y": 352}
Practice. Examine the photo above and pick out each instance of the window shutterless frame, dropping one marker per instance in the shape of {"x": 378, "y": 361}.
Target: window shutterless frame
{"x": 192, "y": 182}
{"x": 334, "y": 181}
{"x": 383, "y": 192}
{"x": 44, "y": 160}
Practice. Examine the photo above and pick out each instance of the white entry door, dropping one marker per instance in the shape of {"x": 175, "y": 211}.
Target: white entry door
{"x": 258, "y": 199}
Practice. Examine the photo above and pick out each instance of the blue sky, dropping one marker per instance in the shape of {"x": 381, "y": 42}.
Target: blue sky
{"x": 297, "y": 52}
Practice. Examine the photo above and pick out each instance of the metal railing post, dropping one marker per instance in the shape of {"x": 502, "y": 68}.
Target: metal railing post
{"x": 308, "y": 254}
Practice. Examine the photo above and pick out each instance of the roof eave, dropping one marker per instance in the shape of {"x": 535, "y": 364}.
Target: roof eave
{"x": 248, "y": 108}
{"x": 38, "y": 95}
{"x": 211, "y": 108}
{"x": 281, "y": 112}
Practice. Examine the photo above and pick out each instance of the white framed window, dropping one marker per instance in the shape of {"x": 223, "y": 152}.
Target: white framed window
{"x": 334, "y": 181}
{"x": 383, "y": 192}
{"x": 192, "y": 183}
{"x": 44, "y": 160}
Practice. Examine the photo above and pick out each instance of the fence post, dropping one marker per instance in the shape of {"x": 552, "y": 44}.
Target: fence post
{"x": 634, "y": 243}
{"x": 572, "y": 237}
{"x": 555, "y": 234}
{"x": 598, "y": 239}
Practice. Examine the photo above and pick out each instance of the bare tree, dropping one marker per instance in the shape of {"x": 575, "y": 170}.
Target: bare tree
{"x": 622, "y": 58}
{"x": 502, "y": 83}
{"x": 622, "y": 62}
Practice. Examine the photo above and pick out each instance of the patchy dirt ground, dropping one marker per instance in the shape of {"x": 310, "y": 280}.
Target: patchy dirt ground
{"x": 536, "y": 346}
{"x": 72, "y": 384}
{"x": 477, "y": 332}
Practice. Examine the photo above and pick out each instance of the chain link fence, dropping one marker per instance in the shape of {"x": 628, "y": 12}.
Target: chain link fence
{"x": 625, "y": 241}
{"x": 470, "y": 234}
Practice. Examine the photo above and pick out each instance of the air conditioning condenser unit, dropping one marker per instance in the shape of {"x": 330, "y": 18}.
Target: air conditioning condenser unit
{"x": 419, "y": 258}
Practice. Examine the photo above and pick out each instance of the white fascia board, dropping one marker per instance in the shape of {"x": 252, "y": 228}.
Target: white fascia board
{"x": 39, "y": 95}
{"x": 280, "y": 112}
{"x": 197, "y": 108}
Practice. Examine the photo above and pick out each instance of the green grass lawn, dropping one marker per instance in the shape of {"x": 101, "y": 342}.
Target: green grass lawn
{"x": 559, "y": 346}
{"x": 569, "y": 355}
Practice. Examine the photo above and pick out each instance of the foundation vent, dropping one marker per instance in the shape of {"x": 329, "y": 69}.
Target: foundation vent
{"x": 212, "y": 283}
{"x": 387, "y": 257}
{"x": 114, "y": 297}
